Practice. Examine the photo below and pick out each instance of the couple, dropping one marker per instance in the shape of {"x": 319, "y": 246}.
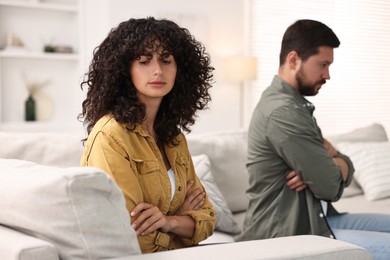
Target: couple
{"x": 146, "y": 82}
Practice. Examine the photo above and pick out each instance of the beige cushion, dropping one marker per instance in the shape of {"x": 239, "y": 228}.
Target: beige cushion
{"x": 359, "y": 204}
{"x": 18, "y": 246}
{"x": 304, "y": 247}
{"x": 372, "y": 167}
{"x": 79, "y": 210}
{"x": 225, "y": 221}
{"x": 227, "y": 152}
{"x": 371, "y": 133}
{"x": 54, "y": 149}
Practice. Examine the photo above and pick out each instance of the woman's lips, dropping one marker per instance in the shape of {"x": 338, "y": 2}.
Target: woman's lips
{"x": 157, "y": 83}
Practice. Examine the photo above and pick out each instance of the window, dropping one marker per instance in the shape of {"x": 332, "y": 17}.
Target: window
{"x": 358, "y": 93}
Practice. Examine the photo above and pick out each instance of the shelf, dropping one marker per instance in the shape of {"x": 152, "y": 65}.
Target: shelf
{"x": 39, "y": 5}
{"x": 38, "y": 55}
{"x": 32, "y": 24}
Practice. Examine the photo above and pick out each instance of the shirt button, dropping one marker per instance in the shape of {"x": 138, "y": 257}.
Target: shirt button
{"x": 321, "y": 215}
{"x": 331, "y": 236}
{"x": 212, "y": 214}
{"x": 179, "y": 188}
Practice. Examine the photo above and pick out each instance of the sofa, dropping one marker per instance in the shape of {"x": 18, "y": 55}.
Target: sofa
{"x": 53, "y": 209}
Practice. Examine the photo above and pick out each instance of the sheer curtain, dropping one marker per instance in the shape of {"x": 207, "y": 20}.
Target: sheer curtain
{"x": 358, "y": 93}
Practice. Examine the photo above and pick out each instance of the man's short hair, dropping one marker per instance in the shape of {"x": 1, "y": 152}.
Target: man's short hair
{"x": 305, "y": 37}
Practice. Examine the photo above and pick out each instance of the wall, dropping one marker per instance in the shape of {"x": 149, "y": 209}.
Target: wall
{"x": 219, "y": 24}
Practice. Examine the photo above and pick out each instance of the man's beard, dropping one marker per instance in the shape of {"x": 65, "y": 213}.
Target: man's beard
{"x": 307, "y": 89}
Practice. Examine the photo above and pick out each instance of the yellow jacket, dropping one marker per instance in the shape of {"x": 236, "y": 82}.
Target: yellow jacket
{"x": 133, "y": 160}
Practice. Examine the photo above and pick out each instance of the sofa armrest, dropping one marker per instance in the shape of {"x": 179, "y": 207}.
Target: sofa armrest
{"x": 297, "y": 247}
{"x": 19, "y": 246}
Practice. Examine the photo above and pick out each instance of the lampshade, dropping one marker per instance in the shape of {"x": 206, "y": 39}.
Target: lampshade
{"x": 240, "y": 68}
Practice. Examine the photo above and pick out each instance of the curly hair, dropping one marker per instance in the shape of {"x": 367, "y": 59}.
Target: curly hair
{"x": 111, "y": 89}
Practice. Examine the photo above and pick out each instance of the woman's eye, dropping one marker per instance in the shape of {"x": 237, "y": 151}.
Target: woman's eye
{"x": 143, "y": 60}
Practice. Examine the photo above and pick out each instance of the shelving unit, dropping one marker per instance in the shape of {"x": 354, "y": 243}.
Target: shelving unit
{"x": 36, "y": 23}
{"x": 39, "y": 55}
{"x": 48, "y": 5}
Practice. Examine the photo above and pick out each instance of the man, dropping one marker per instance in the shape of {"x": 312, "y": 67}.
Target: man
{"x": 294, "y": 172}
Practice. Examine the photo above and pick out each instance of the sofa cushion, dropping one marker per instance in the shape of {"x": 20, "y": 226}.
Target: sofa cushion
{"x": 353, "y": 189}
{"x": 18, "y": 246}
{"x": 372, "y": 167}
{"x": 227, "y": 152}
{"x": 303, "y": 247}
{"x": 371, "y": 133}
{"x": 54, "y": 149}
{"x": 359, "y": 204}
{"x": 225, "y": 220}
{"x": 80, "y": 210}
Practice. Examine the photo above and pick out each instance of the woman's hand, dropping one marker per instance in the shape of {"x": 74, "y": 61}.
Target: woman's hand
{"x": 148, "y": 218}
{"x": 193, "y": 200}
{"x": 295, "y": 182}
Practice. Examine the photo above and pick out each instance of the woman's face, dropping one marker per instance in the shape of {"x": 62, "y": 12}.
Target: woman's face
{"x": 153, "y": 75}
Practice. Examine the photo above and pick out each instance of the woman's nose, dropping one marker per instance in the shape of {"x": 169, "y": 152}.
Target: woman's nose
{"x": 157, "y": 67}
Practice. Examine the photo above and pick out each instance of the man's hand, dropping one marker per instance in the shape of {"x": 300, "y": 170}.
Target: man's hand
{"x": 329, "y": 148}
{"x": 193, "y": 200}
{"x": 148, "y": 218}
{"x": 295, "y": 182}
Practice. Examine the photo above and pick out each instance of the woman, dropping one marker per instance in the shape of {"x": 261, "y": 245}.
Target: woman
{"x": 146, "y": 81}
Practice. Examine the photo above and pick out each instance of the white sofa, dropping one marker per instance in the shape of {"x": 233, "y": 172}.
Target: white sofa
{"x": 53, "y": 209}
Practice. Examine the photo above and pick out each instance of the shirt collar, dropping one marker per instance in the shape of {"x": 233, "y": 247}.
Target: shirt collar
{"x": 137, "y": 129}
{"x": 284, "y": 87}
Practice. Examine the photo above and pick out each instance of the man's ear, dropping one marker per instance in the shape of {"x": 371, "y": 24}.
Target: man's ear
{"x": 293, "y": 60}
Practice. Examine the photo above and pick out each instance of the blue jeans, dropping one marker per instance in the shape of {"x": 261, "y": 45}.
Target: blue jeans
{"x": 370, "y": 231}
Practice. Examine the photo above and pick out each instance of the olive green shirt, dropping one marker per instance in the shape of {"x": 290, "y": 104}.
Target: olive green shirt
{"x": 133, "y": 160}
{"x": 284, "y": 136}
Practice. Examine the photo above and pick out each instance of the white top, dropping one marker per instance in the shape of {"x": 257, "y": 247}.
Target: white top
{"x": 324, "y": 205}
{"x": 172, "y": 179}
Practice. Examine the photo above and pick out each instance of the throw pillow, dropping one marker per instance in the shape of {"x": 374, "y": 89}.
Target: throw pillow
{"x": 80, "y": 210}
{"x": 371, "y": 133}
{"x": 352, "y": 190}
{"x": 225, "y": 220}
{"x": 227, "y": 152}
{"x": 372, "y": 167}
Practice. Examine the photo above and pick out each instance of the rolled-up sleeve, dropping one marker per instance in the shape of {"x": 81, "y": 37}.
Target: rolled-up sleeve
{"x": 204, "y": 224}
{"x": 205, "y": 218}
{"x": 351, "y": 169}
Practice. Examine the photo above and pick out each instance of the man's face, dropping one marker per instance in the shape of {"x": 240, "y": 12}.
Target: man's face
{"x": 314, "y": 72}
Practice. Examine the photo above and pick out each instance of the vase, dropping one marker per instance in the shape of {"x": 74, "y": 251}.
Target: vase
{"x": 30, "y": 110}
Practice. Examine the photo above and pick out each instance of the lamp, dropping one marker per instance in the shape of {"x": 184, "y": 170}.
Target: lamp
{"x": 240, "y": 69}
